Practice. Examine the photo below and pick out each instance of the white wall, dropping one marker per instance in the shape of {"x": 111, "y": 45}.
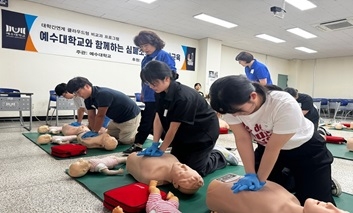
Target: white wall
{"x": 229, "y": 66}
{"x": 38, "y": 73}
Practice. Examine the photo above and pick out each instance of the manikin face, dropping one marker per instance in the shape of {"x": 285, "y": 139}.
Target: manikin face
{"x": 185, "y": 177}
{"x": 160, "y": 85}
{"x": 148, "y": 48}
{"x": 315, "y": 206}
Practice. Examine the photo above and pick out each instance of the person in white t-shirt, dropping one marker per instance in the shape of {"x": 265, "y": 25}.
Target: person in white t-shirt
{"x": 285, "y": 138}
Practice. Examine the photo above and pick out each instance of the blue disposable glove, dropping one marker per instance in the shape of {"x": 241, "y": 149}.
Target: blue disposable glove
{"x": 75, "y": 124}
{"x": 152, "y": 151}
{"x": 250, "y": 182}
{"x": 90, "y": 134}
{"x": 106, "y": 122}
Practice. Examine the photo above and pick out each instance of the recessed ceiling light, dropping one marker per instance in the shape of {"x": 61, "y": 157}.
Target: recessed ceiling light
{"x": 304, "y": 49}
{"x": 301, "y": 4}
{"x": 301, "y": 33}
{"x": 270, "y": 38}
{"x": 147, "y": 1}
{"x": 214, "y": 20}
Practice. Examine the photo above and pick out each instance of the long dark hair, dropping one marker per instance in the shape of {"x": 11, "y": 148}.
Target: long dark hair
{"x": 228, "y": 92}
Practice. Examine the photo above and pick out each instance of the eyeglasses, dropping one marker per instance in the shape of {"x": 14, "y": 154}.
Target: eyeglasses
{"x": 78, "y": 91}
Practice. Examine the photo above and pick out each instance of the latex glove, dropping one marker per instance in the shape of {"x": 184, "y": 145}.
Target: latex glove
{"x": 249, "y": 182}
{"x": 106, "y": 122}
{"x": 75, "y": 124}
{"x": 152, "y": 151}
{"x": 90, "y": 134}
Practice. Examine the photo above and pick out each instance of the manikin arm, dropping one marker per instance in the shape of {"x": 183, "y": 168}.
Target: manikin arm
{"x": 63, "y": 139}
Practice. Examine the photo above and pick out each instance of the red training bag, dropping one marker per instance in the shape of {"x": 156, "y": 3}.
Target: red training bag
{"x": 68, "y": 150}
{"x": 132, "y": 198}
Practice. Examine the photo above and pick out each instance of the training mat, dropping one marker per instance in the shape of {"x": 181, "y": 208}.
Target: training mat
{"x": 98, "y": 183}
{"x": 32, "y": 136}
{"x": 340, "y": 151}
{"x": 344, "y": 202}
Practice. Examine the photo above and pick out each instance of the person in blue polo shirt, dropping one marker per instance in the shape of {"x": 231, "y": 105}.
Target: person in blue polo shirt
{"x": 151, "y": 44}
{"x": 191, "y": 126}
{"x": 101, "y": 102}
{"x": 254, "y": 70}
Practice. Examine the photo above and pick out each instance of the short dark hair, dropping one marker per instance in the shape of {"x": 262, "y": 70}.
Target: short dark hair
{"x": 149, "y": 37}
{"x": 293, "y": 92}
{"x": 197, "y": 84}
{"x": 272, "y": 87}
{"x": 60, "y": 89}
{"x": 76, "y": 83}
{"x": 244, "y": 56}
{"x": 230, "y": 91}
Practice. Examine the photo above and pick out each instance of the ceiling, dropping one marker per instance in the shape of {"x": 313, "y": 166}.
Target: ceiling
{"x": 252, "y": 17}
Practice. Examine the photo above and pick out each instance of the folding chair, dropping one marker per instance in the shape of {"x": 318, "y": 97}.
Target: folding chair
{"x": 58, "y": 103}
{"x": 14, "y": 100}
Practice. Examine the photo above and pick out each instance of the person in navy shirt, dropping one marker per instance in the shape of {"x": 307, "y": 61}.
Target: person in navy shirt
{"x": 151, "y": 44}
{"x": 254, "y": 70}
{"x": 100, "y": 102}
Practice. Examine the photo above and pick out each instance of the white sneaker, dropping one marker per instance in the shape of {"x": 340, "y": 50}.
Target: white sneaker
{"x": 231, "y": 158}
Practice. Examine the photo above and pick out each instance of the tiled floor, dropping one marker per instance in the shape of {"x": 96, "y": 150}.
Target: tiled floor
{"x": 32, "y": 181}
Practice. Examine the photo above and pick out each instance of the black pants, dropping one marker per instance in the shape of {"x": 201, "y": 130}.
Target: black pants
{"x": 310, "y": 165}
{"x": 146, "y": 124}
{"x": 197, "y": 151}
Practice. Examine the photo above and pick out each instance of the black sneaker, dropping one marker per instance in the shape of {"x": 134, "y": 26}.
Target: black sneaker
{"x": 335, "y": 188}
{"x": 133, "y": 148}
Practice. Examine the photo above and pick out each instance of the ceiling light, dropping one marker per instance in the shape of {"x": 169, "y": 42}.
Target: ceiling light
{"x": 270, "y": 38}
{"x": 214, "y": 20}
{"x": 301, "y": 33}
{"x": 147, "y": 1}
{"x": 301, "y": 4}
{"x": 304, "y": 49}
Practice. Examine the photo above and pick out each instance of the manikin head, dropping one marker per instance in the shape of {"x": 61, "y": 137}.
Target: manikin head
{"x": 79, "y": 168}
{"x": 338, "y": 126}
{"x": 315, "y": 206}
{"x": 350, "y": 144}
{"x": 43, "y": 129}
{"x": 67, "y": 129}
{"x": 185, "y": 179}
{"x": 109, "y": 142}
{"x": 44, "y": 139}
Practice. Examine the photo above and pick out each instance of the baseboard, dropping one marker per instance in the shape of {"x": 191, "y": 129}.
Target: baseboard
{"x": 38, "y": 118}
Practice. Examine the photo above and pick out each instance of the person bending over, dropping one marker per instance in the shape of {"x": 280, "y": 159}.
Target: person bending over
{"x": 191, "y": 126}
{"x": 285, "y": 138}
{"x": 61, "y": 90}
{"x": 101, "y": 102}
